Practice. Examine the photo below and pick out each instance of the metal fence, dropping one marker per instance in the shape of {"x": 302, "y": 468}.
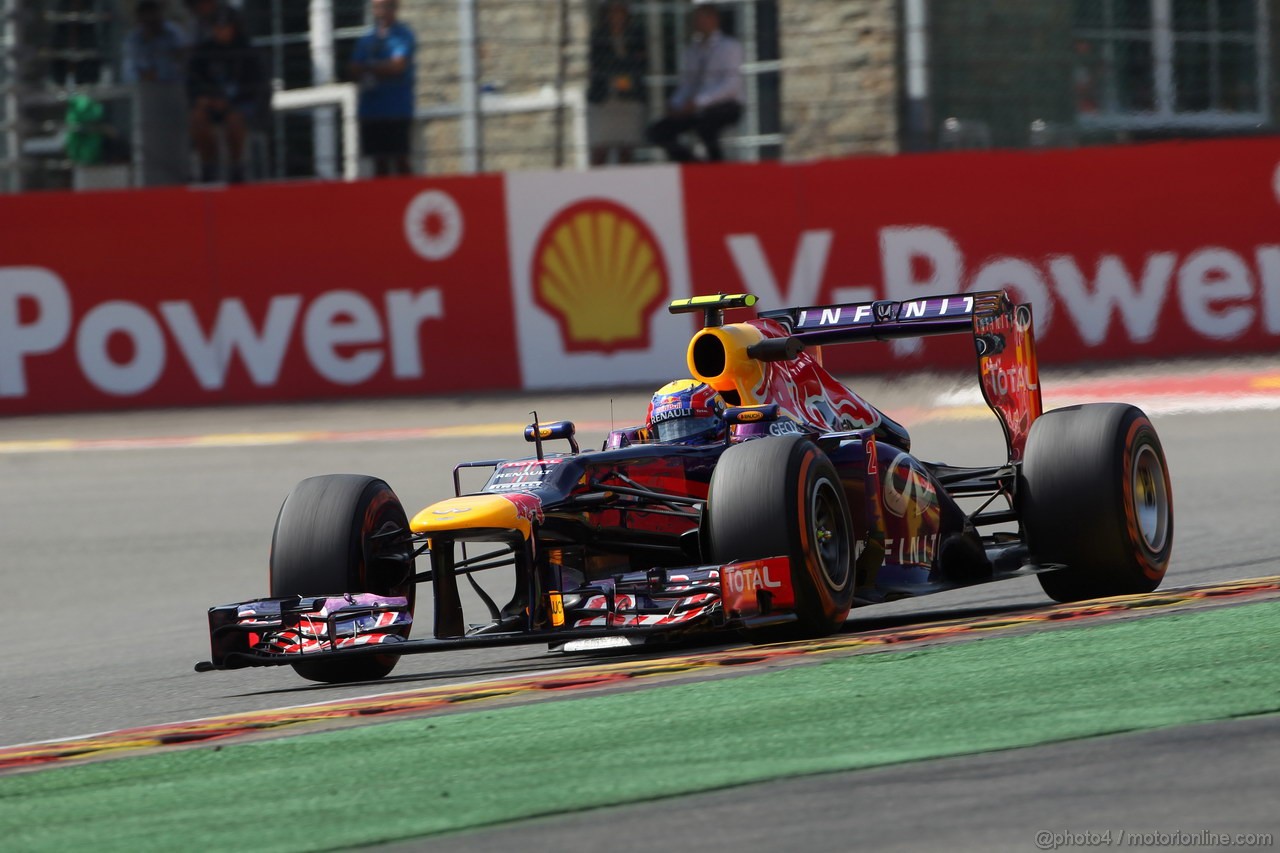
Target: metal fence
{"x": 507, "y": 84}
{"x": 520, "y": 84}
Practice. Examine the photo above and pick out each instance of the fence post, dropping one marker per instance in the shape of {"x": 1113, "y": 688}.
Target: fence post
{"x": 562, "y": 62}
{"x": 469, "y": 79}
{"x": 323, "y": 127}
{"x": 11, "y": 116}
{"x": 919, "y": 129}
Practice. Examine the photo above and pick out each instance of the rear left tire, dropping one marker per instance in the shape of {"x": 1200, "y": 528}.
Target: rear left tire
{"x": 1095, "y": 496}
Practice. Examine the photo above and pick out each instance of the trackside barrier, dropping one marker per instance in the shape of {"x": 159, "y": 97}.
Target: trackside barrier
{"x": 177, "y": 297}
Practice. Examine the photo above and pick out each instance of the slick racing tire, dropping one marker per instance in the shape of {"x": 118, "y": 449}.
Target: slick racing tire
{"x": 1095, "y": 496}
{"x": 324, "y": 544}
{"x": 781, "y": 496}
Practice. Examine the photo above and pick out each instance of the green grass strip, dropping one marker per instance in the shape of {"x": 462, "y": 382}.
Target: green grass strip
{"x": 416, "y": 777}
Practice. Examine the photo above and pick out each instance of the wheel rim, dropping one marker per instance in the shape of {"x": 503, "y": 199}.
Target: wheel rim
{"x": 830, "y": 534}
{"x": 377, "y": 577}
{"x": 1150, "y": 498}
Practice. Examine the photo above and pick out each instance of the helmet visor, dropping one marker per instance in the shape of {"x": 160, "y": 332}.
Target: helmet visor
{"x": 683, "y": 429}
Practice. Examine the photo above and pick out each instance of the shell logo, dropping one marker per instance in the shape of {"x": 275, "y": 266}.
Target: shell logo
{"x": 599, "y": 270}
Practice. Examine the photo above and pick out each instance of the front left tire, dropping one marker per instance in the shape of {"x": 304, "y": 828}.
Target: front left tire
{"x": 777, "y": 496}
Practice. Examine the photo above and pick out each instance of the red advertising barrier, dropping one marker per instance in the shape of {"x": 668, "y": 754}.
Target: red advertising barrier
{"x": 1128, "y": 252}
{"x": 181, "y": 297}
{"x": 559, "y": 279}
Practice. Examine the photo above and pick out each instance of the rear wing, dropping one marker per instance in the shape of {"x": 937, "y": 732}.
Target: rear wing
{"x": 886, "y": 320}
{"x": 1003, "y": 335}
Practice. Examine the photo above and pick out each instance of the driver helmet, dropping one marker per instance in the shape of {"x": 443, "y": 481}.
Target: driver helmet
{"x": 686, "y": 412}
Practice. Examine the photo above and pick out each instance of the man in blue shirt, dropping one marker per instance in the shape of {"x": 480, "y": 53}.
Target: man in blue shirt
{"x": 382, "y": 64}
{"x": 154, "y": 50}
{"x": 155, "y": 58}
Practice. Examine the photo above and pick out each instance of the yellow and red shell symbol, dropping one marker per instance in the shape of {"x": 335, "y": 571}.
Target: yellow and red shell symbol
{"x": 599, "y": 270}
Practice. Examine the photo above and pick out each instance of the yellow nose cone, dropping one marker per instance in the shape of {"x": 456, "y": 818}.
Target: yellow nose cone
{"x": 475, "y": 511}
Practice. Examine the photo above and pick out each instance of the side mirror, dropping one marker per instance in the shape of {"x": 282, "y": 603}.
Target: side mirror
{"x": 620, "y": 438}
{"x": 751, "y": 414}
{"x": 538, "y": 433}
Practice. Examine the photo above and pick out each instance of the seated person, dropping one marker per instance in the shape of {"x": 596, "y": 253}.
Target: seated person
{"x": 710, "y": 95}
{"x": 225, "y": 84}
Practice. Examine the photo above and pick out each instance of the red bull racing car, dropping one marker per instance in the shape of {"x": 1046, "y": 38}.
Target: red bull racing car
{"x": 761, "y": 496}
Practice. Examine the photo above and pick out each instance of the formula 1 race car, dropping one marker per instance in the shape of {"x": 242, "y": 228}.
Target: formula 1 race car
{"x": 807, "y": 501}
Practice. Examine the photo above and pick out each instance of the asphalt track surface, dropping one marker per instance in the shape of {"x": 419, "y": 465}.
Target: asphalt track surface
{"x": 109, "y": 558}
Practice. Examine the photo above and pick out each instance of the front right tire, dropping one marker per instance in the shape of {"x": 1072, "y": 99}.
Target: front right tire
{"x": 335, "y": 534}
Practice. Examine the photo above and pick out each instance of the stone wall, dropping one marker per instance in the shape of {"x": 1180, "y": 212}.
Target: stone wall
{"x": 518, "y": 54}
{"x": 840, "y": 77}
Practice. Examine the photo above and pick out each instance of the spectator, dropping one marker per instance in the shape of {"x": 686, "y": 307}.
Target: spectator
{"x": 616, "y": 92}
{"x": 1085, "y": 79}
{"x": 155, "y": 49}
{"x": 382, "y": 63}
{"x": 204, "y": 13}
{"x": 225, "y": 84}
{"x": 710, "y": 93}
{"x": 155, "y": 57}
